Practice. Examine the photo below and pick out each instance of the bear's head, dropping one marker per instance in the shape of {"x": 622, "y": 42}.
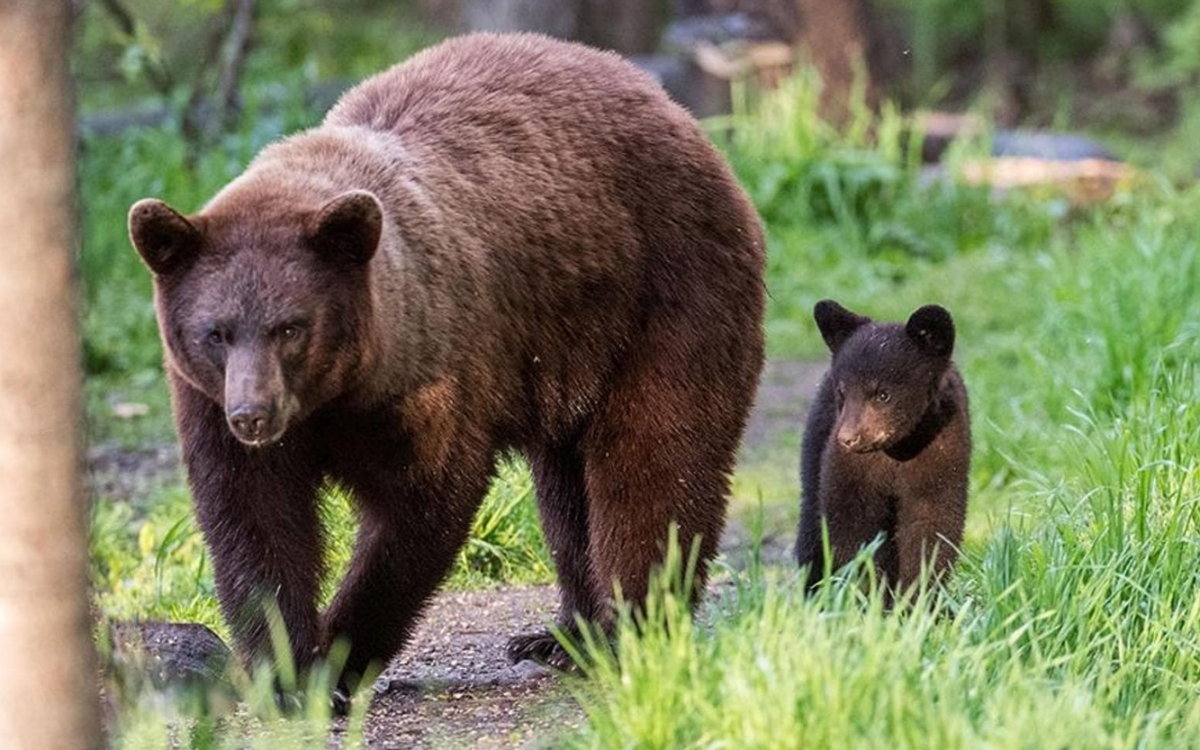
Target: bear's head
{"x": 264, "y": 308}
{"x": 885, "y": 376}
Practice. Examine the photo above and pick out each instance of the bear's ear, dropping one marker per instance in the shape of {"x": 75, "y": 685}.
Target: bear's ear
{"x": 346, "y": 230}
{"x": 932, "y": 328}
{"x": 836, "y": 323}
{"x": 165, "y": 239}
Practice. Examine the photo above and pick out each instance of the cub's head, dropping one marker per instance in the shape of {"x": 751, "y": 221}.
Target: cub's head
{"x": 884, "y": 375}
{"x": 263, "y": 307}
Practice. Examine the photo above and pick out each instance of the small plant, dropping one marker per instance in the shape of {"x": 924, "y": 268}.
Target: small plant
{"x": 506, "y": 544}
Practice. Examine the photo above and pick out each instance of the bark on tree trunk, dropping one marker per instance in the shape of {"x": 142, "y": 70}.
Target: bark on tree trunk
{"x": 627, "y": 26}
{"x": 834, "y": 37}
{"x": 47, "y": 681}
{"x": 559, "y": 18}
{"x": 214, "y": 102}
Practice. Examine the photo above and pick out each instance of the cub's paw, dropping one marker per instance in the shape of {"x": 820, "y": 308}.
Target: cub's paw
{"x": 542, "y": 648}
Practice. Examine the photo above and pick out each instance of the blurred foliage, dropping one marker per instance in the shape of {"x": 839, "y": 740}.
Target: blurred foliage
{"x": 315, "y": 40}
{"x": 1180, "y": 60}
{"x": 944, "y": 32}
{"x": 1063, "y": 55}
{"x": 864, "y": 181}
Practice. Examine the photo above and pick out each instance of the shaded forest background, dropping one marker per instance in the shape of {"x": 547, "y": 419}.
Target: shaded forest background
{"x": 1123, "y": 69}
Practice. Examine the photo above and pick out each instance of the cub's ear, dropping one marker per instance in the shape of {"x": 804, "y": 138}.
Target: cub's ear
{"x": 932, "y": 328}
{"x": 166, "y": 240}
{"x": 346, "y": 230}
{"x": 836, "y": 323}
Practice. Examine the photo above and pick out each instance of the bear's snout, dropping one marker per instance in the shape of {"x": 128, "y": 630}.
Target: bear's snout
{"x": 859, "y": 441}
{"x": 862, "y": 428}
{"x": 254, "y": 424}
{"x": 849, "y": 440}
{"x": 856, "y": 441}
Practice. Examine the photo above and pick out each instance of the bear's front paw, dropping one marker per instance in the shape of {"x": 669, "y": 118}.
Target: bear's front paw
{"x": 543, "y": 648}
{"x": 339, "y": 701}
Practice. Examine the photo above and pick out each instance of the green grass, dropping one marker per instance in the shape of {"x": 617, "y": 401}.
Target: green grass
{"x": 1075, "y": 629}
{"x": 1073, "y": 615}
{"x": 149, "y": 561}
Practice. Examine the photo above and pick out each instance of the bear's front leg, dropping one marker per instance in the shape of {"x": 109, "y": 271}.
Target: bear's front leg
{"x": 257, "y": 511}
{"x": 929, "y": 530}
{"x": 413, "y": 519}
{"x": 854, "y": 513}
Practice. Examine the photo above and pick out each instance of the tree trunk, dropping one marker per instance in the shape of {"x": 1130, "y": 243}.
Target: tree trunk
{"x": 214, "y": 103}
{"x": 627, "y": 26}
{"x": 47, "y": 679}
{"x": 558, "y": 18}
{"x": 834, "y": 37}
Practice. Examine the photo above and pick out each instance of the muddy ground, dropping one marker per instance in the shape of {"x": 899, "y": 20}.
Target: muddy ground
{"x": 453, "y": 687}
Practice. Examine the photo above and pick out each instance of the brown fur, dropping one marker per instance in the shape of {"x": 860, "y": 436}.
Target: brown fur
{"x": 543, "y": 254}
{"x": 887, "y": 447}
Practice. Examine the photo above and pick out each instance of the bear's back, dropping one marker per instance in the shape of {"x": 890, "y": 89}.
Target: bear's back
{"x": 507, "y": 83}
{"x": 575, "y": 167}
{"x": 549, "y": 124}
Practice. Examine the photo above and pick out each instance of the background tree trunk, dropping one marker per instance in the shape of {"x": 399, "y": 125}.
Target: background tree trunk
{"x": 215, "y": 101}
{"x": 47, "y": 678}
{"x": 627, "y": 26}
{"x": 835, "y": 38}
{"x": 559, "y": 18}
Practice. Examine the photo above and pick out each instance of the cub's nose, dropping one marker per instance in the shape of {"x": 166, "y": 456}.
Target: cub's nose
{"x": 251, "y": 423}
{"x": 849, "y": 440}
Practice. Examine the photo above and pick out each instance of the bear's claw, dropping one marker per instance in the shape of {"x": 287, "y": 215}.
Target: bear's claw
{"x": 542, "y": 648}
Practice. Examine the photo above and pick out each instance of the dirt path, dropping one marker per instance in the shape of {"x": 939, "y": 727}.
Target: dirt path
{"x": 784, "y": 392}
{"x": 453, "y": 687}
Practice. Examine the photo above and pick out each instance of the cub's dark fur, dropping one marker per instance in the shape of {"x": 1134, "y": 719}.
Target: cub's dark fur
{"x": 887, "y": 446}
{"x": 506, "y": 243}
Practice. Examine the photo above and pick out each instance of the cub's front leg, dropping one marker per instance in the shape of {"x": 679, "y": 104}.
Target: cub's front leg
{"x": 929, "y": 531}
{"x": 257, "y": 511}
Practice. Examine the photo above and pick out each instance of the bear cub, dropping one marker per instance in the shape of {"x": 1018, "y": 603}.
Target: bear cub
{"x": 887, "y": 447}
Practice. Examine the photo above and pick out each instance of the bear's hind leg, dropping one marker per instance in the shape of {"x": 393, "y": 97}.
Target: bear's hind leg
{"x": 659, "y": 453}
{"x": 562, "y": 504}
{"x": 810, "y": 541}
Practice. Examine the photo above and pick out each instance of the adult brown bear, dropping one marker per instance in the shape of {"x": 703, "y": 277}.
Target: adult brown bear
{"x": 507, "y": 242}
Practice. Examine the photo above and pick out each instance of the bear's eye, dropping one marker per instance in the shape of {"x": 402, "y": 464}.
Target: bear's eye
{"x": 883, "y": 396}
{"x": 291, "y": 331}
{"x": 215, "y": 337}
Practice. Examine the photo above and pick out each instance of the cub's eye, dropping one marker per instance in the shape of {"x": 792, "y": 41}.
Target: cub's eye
{"x": 215, "y": 337}
{"x": 290, "y": 332}
{"x": 883, "y": 397}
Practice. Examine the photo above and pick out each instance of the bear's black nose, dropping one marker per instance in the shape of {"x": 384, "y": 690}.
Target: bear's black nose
{"x": 250, "y": 422}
